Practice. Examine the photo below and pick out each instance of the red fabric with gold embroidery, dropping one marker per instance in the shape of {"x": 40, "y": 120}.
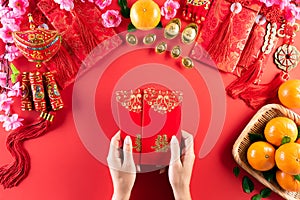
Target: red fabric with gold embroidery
{"x": 242, "y": 24}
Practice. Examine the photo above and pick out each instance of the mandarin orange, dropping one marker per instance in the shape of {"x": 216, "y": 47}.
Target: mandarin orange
{"x": 287, "y": 158}
{"x": 279, "y": 128}
{"x": 145, "y": 14}
{"x": 261, "y": 156}
{"x": 289, "y": 93}
{"x": 287, "y": 181}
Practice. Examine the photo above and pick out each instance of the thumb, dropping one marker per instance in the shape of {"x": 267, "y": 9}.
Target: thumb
{"x": 175, "y": 151}
{"x": 127, "y": 151}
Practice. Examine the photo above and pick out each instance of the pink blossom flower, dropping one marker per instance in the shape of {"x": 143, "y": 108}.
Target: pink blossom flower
{"x": 6, "y": 33}
{"x": 12, "y": 122}
{"x": 111, "y": 18}
{"x": 11, "y": 18}
{"x": 12, "y": 52}
{"x": 18, "y": 6}
{"x": 294, "y": 11}
{"x": 281, "y": 3}
{"x": 67, "y": 5}
{"x": 3, "y": 79}
{"x": 169, "y": 9}
{"x": 103, "y": 3}
{"x": 3, "y": 10}
{"x": 3, "y": 118}
{"x": 5, "y": 103}
{"x": 15, "y": 90}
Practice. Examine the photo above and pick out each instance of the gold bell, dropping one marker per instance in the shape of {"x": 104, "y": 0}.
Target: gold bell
{"x": 187, "y": 62}
{"x": 189, "y": 33}
{"x": 161, "y": 48}
{"x": 172, "y": 29}
{"x": 176, "y": 51}
{"x": 149, "y": 39}
{"x": 131, "y": 39}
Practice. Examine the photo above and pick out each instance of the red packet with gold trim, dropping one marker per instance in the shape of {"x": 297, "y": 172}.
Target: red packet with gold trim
{"x": 150, "y": 116}
{"x": 82, "y": 31}
{"x": 229, "y": 25}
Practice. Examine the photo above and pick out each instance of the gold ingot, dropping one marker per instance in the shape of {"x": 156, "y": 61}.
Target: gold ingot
{"x": 187, "y": 62}
{"x": 189, "y": 33}
{"x": 172, "y": 29}
{"x": 149, "y": 39}
{"x": 161, "y": 48}
{"x": 131, "y": 39}
{"x": 176, "y": 51}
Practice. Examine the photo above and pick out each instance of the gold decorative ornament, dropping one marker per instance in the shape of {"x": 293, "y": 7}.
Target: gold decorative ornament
{"x": 161, "y": 47}
{"x": 287, "y": 57}
{"x": 176, "y": 51}
{"x": 189, "y": 33}
{"x": 172, "y": 29}
{"x": 187, "y": 62}
{"x": 149, "y": 39}
{"x": 131, "y": 39}
{"x": 161, "y": 143}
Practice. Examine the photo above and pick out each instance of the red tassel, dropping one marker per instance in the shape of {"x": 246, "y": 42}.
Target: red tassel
{"x": 258, "y": 95}
{"x": 63, "y": 67}
{"x": 219, "y": 48}
{"x": 12, "y": 174}
{"x": 247, "y": 78}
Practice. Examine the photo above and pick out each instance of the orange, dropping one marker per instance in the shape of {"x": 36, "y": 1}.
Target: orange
{"x": 287, "y": 158}
{"x": 298, "y": 141}
{"x": 261, "y": 156}
{"x": 287, "y": 181}
{"x": 278, "y": 128}
{"x": 145, "y": 14}
{"x": 289, "y": 93}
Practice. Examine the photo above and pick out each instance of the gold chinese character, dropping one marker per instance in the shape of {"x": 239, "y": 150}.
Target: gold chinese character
{"x": 161, "y": 143}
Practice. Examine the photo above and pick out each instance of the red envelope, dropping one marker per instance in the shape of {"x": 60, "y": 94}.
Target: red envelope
{"x": 151, "y": 116}
{"x": 242, "y": 24}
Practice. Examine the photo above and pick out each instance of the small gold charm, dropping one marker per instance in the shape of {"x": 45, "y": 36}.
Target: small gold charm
{"x": 161, "y": 48}
{"x": 149, "y": 39}
{"x": 172, "y": 29}
{"x": 131, "y": 39}
{"x": 287, "y": 57}
{"x": 187, "y": 62}
{"x": 189, "y": 33}
{"x": 176, "y": 51}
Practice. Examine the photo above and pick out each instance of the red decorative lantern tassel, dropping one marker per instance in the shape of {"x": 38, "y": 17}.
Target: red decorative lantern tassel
{"x": 12, "y": 174}
{"x": 258, "y": 95}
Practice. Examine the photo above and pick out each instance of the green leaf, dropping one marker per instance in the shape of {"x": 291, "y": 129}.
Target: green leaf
{"x": 125, "y": 11}
{"x": 270, "y": 174}
{"x": 248, "y": 185}
{"x": 266, "y": 192}
{"x": 297, "y": 177}
{"x": 285, "y": 139}
{"x": 159, "y": 25}
{"x": 254, "y": 137}
{"x": 236, "y": 171}
{"x": 256, "y": 197}
{"x": 131, "y": 28}
{"x": 15, "y": 73}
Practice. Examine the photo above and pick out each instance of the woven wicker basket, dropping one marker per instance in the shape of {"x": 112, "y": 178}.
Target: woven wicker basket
{"x": 256, "y": 125}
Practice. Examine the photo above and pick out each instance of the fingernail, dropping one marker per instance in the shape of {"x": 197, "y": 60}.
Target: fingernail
{"x": 173, "y": 139}
{"x": 127, "y": 140}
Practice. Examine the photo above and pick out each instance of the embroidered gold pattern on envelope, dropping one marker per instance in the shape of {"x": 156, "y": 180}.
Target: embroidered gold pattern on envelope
{"x": 131, "y": 100}
{"x": 161, "y": 143}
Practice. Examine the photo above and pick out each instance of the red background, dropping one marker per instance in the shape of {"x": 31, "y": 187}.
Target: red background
{"x": 62, "y": 168}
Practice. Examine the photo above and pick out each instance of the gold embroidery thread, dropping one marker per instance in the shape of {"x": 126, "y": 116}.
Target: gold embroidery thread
{"x": 161, "y": 143}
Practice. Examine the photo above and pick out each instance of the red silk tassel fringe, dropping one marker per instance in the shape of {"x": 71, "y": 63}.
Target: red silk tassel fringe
{"x": 258, "y": 95}
{"x": 247, "y": 78}
{"x": 12, "y": 174}
{"x": 218, "y": 49}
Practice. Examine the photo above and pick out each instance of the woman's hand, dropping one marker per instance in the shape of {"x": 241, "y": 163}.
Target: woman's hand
{"x": 180, "y": 168}
{"x": 121, "y": 166}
